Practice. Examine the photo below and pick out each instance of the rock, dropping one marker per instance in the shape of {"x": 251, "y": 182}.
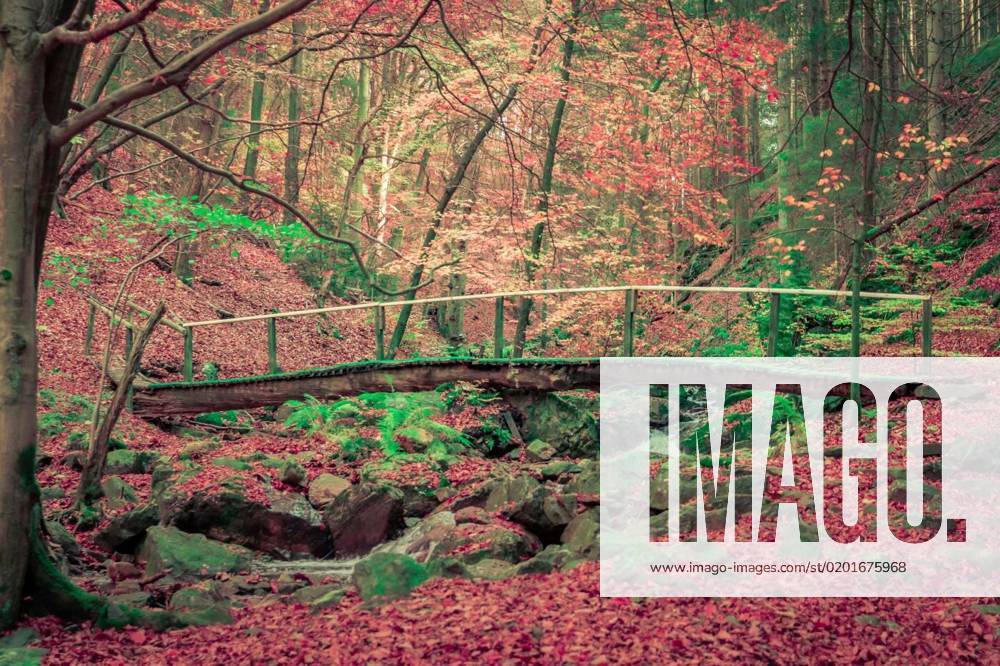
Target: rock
{"x": 311, "y": 593}
{"x": 557, "y": 468}
{"x": 490, "y": 569}
{"x": 325, "y": 488}
{"x": 386, "y": 576}
{"x": 127, "y": 461}
{"x": 286, "y": 583}
{"x": 117, "y": 493}
{"x": 473, "y": 514}
{"x": 123, "y": 571}
{"x": 53, "y": 492}
{"x": 659, "y": 485}
{"x": 194, "y": 598}
{"x": 63, "y": 538}
{"x": 135, "y": 599}
{"x": 512, "y": 492}
{"x": 565, "y": 421}
{"x": 418, "y": 501}
{"x": 581, "y": 536}
{"x": 588, "y": 481}
{"x": 189, "y": 556}
{"x": 469, "y": 543}
{"x": 554, "y": 557}
{"x": 328, "y": 600}
{"x": 362, "y": 518}
{"x": 539, "y": 451}
{"x": 926, "y": 392}
{"x": 288, "y": 525}
{"x": 477, "y": 497}
{"x": 525, "y": 501}
{"x": 125, "y": 532}
{"x": 205, "y": 617}
{"x": 293, "y": 474}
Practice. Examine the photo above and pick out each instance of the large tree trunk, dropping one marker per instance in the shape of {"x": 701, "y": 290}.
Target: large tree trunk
{"x": 34, "y": 94}
{"x": 294, "y": 129}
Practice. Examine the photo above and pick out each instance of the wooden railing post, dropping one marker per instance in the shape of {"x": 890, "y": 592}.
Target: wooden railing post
{"x": 926, "y": 324}
{"x": 380, "y": 333}
{"x": 498, "y": 329}
{"x": 188, "y": 353}
{"x": 129, "y": 340}
{"x": 772, "y": 326}
{"x": 272, "y": 346}
{"x": 88, "y": 338}
{"x": 627, "y": 346}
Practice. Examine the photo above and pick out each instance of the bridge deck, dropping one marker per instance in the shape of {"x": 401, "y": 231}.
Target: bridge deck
{"x": 538, "y": 374}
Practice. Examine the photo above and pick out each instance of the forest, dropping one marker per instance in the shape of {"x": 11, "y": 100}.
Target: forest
{"x": 301, "y": 303}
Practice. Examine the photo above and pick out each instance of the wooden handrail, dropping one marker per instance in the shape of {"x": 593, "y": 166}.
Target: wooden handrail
{"x": 871, "y": 295}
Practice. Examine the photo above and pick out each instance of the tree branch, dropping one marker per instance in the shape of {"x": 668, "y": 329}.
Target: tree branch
{"x": 175, "y": 73}
{"x": 66, "y": 34}
{"x": 239, "y": 183}
{"x": 930, "y": 201}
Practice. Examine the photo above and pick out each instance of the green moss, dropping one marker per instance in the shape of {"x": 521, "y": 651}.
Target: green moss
{"x": 388, "y": 576}
{"x": 26, "y": 470}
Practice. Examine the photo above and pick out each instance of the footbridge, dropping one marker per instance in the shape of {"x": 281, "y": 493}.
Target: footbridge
{"x": 381, "y": 374}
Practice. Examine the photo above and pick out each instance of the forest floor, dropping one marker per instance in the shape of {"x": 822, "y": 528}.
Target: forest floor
{"x": 501, "y": 615}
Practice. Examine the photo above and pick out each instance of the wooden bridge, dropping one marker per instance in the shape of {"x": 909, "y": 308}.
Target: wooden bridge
{"x": 381, "y": 374}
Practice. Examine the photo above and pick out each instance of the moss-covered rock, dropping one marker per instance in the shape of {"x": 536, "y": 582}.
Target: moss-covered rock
{"x": 125, "y": 532}
{"x": 564, "y": 421}
{"x": 128, "y": 461}
{"x": 383, "y": 576}
{"x": 117, "y": 493}
{"x": 189, "y": 556}
{"x": 539, "y": 451}
{"x": 581, "y": 536}
{"x": 539, "y": 508}
{"x": 325, "y": 488}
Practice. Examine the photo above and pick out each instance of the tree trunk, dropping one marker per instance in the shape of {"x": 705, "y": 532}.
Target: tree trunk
{"x": 35, "y": 92}
{"x": 256, "y": 107}
{"x": 935, "y": 69}
{"x": 545, "y": 187}
{"x": 417, "y": 276}
{"x": 294, "y": 129}
{"x": 89, "y": 488}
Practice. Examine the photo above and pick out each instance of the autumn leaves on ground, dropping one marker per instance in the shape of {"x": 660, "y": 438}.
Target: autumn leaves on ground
{"x": 227, "y": 158}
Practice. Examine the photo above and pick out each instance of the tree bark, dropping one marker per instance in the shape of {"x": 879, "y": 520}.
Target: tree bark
{"x": 35, "y": 89}
{"x": 256, "y": 108}
{"x": 294, "y": 130}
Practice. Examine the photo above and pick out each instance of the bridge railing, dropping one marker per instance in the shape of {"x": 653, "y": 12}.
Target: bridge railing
{"x": 631, "y": 293}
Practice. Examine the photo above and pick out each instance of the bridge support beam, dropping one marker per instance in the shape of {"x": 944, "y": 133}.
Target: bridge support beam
{"x": 352, "y": 379}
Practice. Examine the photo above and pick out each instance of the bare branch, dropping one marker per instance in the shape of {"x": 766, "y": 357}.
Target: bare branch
{"x": 67, "y": 34}
{"x": 175, "y": 73}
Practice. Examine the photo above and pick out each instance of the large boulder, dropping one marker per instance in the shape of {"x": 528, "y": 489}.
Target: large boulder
{"x": 527, "y": 502}
{"x": 125, "y": 532}
{"x": 565, "y": 421}
{"x": 383, "y": 576}
{"x": 287, "y": 524}
{"x": 325, "y": 488}
{"x": 189, "y": 556}
{"x": 363, "y": 517}
{"x": 439, "y": 538}
{"x": 581, "y": 536}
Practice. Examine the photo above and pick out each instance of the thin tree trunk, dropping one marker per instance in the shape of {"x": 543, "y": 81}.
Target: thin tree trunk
{"x": 294, "y": 130}
{"x": 417, "y": 276}
{"x": 89, "y": 488}
{"x": 256, "y": 107}
{"x": 545, "y": 186}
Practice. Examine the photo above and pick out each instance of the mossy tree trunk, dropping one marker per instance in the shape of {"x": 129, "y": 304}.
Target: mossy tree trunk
{"x": 35, "y": 87}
